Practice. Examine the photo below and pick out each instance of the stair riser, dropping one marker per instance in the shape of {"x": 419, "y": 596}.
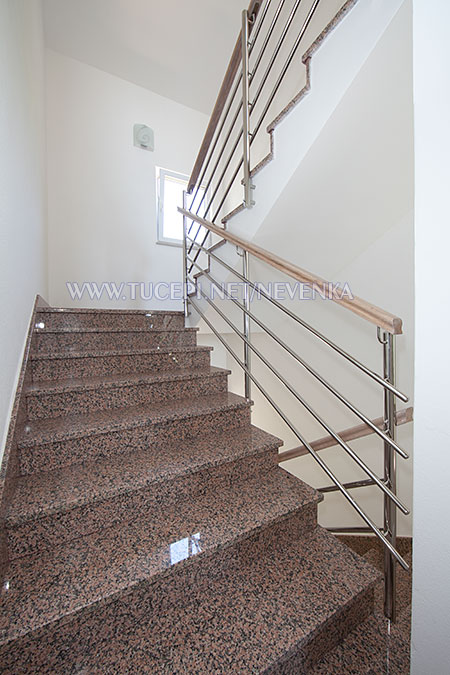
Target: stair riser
{"x": 45, "y": 533}
{"x": 56, "y": 369}
{"x": 70, "y": 645}
{"x": 107, "y": 321}
{"x": 42, "y": 405}
{"x": 48, "y": 456}
{"x": 61, "y": 343}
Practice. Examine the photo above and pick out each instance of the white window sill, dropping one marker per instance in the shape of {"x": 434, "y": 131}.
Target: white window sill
{"x": 176, "y": 244}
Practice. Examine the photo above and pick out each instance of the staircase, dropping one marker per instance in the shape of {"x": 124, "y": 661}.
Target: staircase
{"x": 150, "y": 528}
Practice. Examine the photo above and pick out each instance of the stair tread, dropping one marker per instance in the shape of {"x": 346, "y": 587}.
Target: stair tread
{"x": 373, "y": 647}
{"x": 121, "y": 380}
{"x": 375, "y": 557}
{"x": 57, "y": 491}
{"x": 376, "y": 645}
{"x": 102, "y": 566}
{"x": 94, "y": 353}
{"x": 267, "y": 605}
{"x": 103, "y": 421}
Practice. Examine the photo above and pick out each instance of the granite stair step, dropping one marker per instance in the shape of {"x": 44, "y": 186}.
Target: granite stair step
{"x": 99, "y": 568}
{"x": 272, "y": 603}
{"x": 47, "y": 444}
{"x": 50, "y": 508}
{"x": 108, "y": 319}
{"x": 99, "y": 363}
{"x": 375, "y": 646}
{"x": 88, "y": 394}
{"x": 375, "y": 557}
{"x": 85, "y": 339}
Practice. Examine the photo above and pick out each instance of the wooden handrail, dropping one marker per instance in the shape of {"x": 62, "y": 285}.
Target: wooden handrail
{"x": 230, "y": 74}
{"x": 359, "y": 431}
{"x": 365, "y": 310}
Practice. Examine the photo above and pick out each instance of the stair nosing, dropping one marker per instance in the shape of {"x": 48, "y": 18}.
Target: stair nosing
{"x": 52, "y": 356}
{"x": 91, "y": 310}
{"x": 80, "y": 331}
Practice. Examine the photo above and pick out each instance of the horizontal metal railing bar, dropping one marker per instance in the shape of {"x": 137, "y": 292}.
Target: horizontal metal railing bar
{"x": 276, "y": 51}
{"x": 286, "y": 66}
{"x": 260, "y": 19}
{"x": 214, "y": 145}
{"x": 343, "y": 530}
{"x": 220, "y": 101}
{"x": 359, "y": 431}
{"x": 266, "y": 39}
{"x": 235, "y": 146}
{"x": 375, "y": 480}
{"x": 322, "y": 380}
{"x": 369, "y": 312}
{"x": 255, "y": 37}
{"x": 222, "y": 150}
{"x": 304, "y": 324}
{"x": 348, "y": 486}
{"x": 362, "y": 465}
{"x": 295, "y": 431}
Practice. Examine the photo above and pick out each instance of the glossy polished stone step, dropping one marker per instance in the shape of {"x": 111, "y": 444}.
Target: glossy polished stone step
{"x": 102, "y": 567}
{"x": 103, "y": 363}
{"x": 376, "y": 645}
{"x": 47, "y": 444}
{"x": 89, "y": 394}
{"x": 272, "y": 603}
{"x": 85, "y": 340}
{"x": 108, "y": 319}
{"x": 50, "y": 508}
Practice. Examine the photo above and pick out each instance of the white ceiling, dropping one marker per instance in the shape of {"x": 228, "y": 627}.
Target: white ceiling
{"x": 177, "y": 48}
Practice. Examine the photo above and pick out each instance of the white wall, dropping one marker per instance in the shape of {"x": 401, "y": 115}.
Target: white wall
{"x": 101, "y": 189}
{"x": 22, "y": 192}
{"x": 431, "y": 564}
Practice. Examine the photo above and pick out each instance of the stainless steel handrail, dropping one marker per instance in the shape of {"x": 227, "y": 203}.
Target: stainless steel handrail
{"x": 313, "y": 372}
{"x": 374, "y": 376}
{"x": 299, "y": 398}
{"x": 373, "y": 527}
{"x": 277, "y": 49}
{"x": 240, "y": 134}
{"x": 269, "y": 33}
{"x": 286, "y": 66}
{"x": 216, "y": 171}
{"x": 255, "y": 99}
{"x": 261, "y": 19}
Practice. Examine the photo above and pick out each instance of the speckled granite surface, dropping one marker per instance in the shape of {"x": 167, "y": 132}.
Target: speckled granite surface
{"x": 106, "y": 319}
{"x": 376, "y": 646}
{"x": 52, "y": 366}
{"x": 84, "y": 395}
{"x": 149, "y": 527}
{"x": 52, "y": 443}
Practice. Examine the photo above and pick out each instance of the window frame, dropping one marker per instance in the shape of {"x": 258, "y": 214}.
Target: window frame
{"x": 161, "y": 174}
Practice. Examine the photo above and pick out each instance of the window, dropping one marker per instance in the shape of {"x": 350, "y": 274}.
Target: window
{"x": 170, "y": 186}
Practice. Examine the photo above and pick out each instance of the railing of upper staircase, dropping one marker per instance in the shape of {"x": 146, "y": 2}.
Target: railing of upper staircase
{"x": 273, "y": 34}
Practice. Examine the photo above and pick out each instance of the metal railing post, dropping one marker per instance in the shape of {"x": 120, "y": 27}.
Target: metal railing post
{"x": 185, "y": 275}
{"x": 390, "y": 476}
{"x": 248, "y": 201}
{"x": 247, "y": 353}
